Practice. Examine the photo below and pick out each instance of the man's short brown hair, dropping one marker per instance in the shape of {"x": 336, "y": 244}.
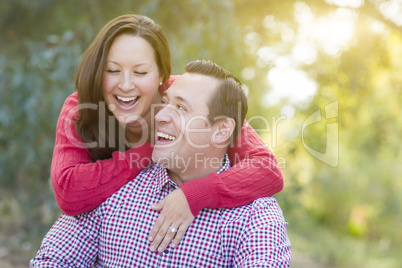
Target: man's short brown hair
{"x": 229, "y": 99}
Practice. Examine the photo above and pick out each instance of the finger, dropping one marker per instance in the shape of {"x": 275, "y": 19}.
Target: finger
{"x": 179, "y": 235}
{"x": 158, "y": 206}
{"x": 159, "y": 236}
{"x": 155, "y": 229}
{"x": 166, "y": 240}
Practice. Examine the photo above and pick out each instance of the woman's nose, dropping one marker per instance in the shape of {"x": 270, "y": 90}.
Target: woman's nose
{"x": 127, "y": 82}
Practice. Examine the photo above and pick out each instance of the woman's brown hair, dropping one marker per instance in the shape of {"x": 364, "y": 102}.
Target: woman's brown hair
{"x": 89, "y": 80}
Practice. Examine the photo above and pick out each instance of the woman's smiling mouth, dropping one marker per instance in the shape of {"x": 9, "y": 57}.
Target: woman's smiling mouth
{"x": 126, "y": 102}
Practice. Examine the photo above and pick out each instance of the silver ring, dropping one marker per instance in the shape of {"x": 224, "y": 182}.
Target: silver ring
{"x": 173, "y": 230}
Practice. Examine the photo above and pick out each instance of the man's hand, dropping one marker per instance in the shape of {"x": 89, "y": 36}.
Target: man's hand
{"x": 175, "y": 213}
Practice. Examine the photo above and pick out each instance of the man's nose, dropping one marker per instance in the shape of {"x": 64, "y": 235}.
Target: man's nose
{"x": 165, "y": 114}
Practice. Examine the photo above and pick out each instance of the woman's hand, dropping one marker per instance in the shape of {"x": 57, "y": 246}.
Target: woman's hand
{"x": 175, "y": 213}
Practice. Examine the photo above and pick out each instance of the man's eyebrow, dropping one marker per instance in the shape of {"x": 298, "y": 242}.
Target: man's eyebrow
{"x": 180, "y": 98}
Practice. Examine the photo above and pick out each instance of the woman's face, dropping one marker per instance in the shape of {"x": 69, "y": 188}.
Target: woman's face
{"x": 131, "y": 79}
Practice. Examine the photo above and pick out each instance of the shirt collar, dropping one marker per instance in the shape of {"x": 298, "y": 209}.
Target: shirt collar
{"x": 161, "y": 176}
{"x": 226, "y": 165}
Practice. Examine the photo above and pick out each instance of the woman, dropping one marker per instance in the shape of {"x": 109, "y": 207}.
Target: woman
{"x": 103, "y": 134}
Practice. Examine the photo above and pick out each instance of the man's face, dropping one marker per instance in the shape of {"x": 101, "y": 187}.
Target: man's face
{"x": 183, "y": 131}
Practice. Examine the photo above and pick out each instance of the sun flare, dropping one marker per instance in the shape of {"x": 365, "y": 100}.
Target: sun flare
{"x": 330, "y": 34}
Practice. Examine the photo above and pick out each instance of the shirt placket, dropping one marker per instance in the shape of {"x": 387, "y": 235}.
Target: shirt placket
{"x": 166, "y": 257}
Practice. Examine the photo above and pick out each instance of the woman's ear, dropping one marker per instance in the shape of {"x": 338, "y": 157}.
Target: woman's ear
{"x": 161, "y": 78}
{"x": 223, "y": 130}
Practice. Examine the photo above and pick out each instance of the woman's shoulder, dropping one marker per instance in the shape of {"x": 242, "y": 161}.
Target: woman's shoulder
{"x": 69, "y": 106}
{"x": 72, "y": 98}
{"x": 168, "y": 83}
{"x": 172, "y": 78}
{"x": 70, "y": 102}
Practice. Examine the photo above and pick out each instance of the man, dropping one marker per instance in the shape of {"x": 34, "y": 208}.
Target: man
{"x": 203, "y": 111}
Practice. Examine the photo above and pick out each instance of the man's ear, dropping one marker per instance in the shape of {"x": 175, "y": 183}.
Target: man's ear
{"x": 223, "y": 130}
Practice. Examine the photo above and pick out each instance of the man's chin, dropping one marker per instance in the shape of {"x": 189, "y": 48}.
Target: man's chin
{"x": 161, "y": 159}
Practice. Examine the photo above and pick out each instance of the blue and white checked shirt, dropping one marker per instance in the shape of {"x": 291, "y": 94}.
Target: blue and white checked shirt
{"x": 115, "y": 233}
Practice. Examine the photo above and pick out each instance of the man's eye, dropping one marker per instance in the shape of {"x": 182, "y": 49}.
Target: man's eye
{"x": 140, "y": 73}
{"x": 164, "y": 102}
{"x": 181, "y": 107}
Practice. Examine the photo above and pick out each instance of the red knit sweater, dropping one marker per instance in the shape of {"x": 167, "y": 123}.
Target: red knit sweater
{"x": 81, "y": 185}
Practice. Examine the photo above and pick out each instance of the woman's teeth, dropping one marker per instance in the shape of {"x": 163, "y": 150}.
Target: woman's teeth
{"x": 126, "y": 99}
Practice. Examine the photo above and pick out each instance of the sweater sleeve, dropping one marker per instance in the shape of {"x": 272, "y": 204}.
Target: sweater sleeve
{"x": 255, "y": 174}
{"x": 80, "y": 184}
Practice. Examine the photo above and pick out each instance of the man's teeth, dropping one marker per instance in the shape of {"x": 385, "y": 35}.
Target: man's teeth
{"x": 126, "y": 99}
{"x": 166, "y": 136}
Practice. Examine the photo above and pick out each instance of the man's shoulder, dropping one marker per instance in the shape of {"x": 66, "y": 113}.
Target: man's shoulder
{"x": 262, "y": 210}
{"x": 265, "y": 203}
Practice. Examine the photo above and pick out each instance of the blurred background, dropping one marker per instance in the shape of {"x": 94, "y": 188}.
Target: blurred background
{"x": 324, "y": 87}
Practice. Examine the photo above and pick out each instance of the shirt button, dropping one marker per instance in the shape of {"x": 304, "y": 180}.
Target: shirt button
{"x": 166, "y": 251}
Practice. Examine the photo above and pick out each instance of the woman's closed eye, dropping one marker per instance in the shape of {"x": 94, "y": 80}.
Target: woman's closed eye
{"x": 112, "y": 71}
{"x": 141, "y": 73}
